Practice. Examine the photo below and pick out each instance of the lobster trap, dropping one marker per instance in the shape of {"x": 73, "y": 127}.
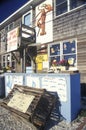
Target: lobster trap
{"x": 32, "y": 104}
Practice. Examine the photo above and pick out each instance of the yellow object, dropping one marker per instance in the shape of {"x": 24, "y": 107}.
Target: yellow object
{"x": 71, "y": 61}
{"x": 39, "y": 66}
{"x": 39, "y": 61}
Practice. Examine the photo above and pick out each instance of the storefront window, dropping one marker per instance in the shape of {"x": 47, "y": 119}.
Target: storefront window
{"x": 63, "y": 54}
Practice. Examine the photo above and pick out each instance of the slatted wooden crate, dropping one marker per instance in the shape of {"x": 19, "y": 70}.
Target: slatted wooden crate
{"x": 39, "y": 108}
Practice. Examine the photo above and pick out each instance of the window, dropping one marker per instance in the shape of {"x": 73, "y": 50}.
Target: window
{"x": 6, "y": 29}
{"x": 8, "y": 60}
{"x": 9, "y": 27}
{"x": 65, "y": 50}
{"x": 3, "y": 64}
{"x": 63, "y": 6}
{"x": 27, "y": 19}
{"x": 3, "y": 37}
{"x": 76, "y": 3}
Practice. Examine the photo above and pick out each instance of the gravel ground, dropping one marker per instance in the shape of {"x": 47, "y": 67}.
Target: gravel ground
{"x": 78, "y": 124}
{"x": 10, "y": 122}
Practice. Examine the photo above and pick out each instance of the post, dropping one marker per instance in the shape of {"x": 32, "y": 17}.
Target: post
{"x": 23, "y": 61}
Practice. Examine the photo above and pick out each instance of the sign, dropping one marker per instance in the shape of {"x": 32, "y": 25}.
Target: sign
{"x": 44, "y": 22}
{"x": 33, "y": 81}
{"x": 12, "y": 39}
{"x": 41, "y": 58}
{"x": 42, "y": 62}
{"x": 11, "y": 80}
{"x": 21, "y": 101}
{"x": 58, "y": 85}
{"x": 45, "y": 64}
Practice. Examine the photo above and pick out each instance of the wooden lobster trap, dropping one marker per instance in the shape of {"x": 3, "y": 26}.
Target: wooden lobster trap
{"x": 32, "y": 104}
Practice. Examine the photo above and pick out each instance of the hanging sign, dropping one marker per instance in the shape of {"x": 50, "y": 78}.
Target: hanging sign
{"x": 12, "y": 39}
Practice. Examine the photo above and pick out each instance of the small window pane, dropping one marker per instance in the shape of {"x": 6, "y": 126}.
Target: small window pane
{"x": 55, "y": 49}
{"x": 54, "y": 60}
{"x": 10, "y": 26}
{"x": 71, "y": 59}
{"x": 13, "y": 64}
{"x": 3, "y": 64}
{"x": 60, "y": 1}
{"x": 69, "y": 47}
{"x": 76, "y": 3}
{"x": 13, "y": 58}
{"x": 3, "y": 58}
{"x": 8, "y": 58}
{"x": 27, "y": 19}
{"x": 62, "y": 8}
{"x": 6, "y": 29}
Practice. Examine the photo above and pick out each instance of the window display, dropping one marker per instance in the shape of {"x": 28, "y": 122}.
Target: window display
{"x": 63, "y": 54}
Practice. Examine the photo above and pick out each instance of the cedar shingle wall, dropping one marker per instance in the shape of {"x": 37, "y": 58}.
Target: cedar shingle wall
{"x": 81, "y": 51}
{"x": 70, "y": 25}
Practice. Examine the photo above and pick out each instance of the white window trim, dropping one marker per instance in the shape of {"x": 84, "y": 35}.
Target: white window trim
{"x": 29, "y": 12}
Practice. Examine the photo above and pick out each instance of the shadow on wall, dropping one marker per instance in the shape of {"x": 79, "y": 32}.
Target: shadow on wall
{"x": 55, "y": 116}
{"x": 83, "y": 89}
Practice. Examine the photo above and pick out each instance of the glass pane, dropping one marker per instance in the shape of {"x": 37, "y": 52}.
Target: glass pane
{"x": 10, "y": 26}
{"x": 69, "y": 47}
{"x": 8, "y": 63}
{"x": 13, "y": 58}
{"x": 3, "y": 64}
{"x": 76, "y": 3}
{"x": 60, "y": 1}
{"x": 3, "y": 58}
{"x": 27, "y": 19}
{"x": 13, "y": 64}
{"x": 55, "y": 49}
{"x": 54, "y": 60}
{"x": 6, "y": 29}
{"x": 71, "y": 59}
{"x": 62, "y": 8}
{"x": 8, "y": 57}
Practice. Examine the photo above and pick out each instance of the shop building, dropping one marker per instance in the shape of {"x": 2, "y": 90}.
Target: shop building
{"x": 60, "y": 36}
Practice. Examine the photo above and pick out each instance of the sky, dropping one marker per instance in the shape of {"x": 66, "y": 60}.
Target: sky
{"x": 7, "y": 7}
